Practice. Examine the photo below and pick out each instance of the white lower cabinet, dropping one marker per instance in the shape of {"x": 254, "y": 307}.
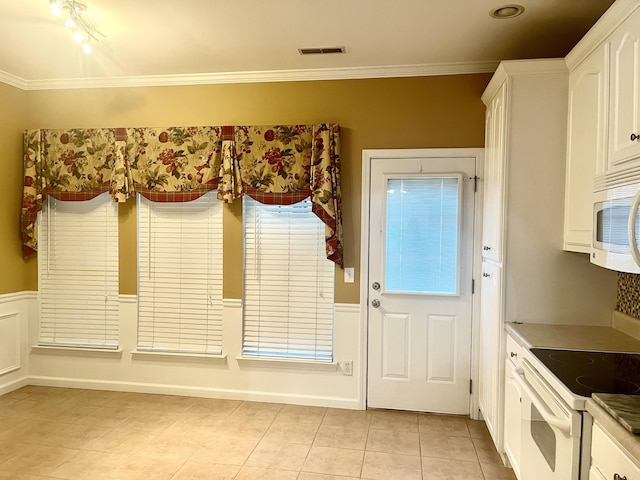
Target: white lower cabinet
{"x": 608, "y": 461}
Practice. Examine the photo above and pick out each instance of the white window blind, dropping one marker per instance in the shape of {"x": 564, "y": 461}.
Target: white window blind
{"x": 422, "y": 228}
{"x": 78, "y": 273}
{"x": 288, "y": 283}
{"x": 180, "y": 275}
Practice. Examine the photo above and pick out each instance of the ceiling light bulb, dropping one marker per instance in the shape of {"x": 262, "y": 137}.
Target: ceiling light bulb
{"x": 70, "y": 23}
{"x": 56, "y": 9}
{"x": 77, "y": 37}
{"x": 86, "y": 48}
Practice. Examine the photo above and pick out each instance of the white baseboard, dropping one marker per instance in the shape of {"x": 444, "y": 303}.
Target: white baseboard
{"x": 226, "y": 394}
{"x": 14, "y": 385}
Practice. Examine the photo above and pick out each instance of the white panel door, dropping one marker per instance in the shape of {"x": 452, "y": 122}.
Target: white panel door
{"x": 490, "y": 354}
{"x": 624, "y": 134}
{"x": 494, "y": 176}
{"x": 421, "y": 217}
{"x": 586, "y": 146}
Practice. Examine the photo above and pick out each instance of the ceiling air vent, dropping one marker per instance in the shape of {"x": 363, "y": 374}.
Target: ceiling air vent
{"x": 320, "y": 51}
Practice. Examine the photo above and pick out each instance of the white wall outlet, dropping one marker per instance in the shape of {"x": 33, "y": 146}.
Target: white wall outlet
{"x": 347, "y": 367}
{"x": 349, "y": 275}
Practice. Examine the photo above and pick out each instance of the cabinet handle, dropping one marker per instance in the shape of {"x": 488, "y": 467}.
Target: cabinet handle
{"x": 618, "y": 477}
{"x": 486, "y": 248}
{"x": 513, "y": 355}
{"x": 486, "y": 275}
{"x": 634, "y": 137}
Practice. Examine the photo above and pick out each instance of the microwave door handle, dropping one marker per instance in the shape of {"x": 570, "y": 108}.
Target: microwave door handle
{"x": 564, "y": 425}
{"x": 633, "y": 219}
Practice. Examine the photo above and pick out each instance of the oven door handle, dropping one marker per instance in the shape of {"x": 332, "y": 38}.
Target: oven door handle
{"x": 564, "y": 425}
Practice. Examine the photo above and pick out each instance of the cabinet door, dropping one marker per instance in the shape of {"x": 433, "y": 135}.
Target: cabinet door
{"x": 586, "y": 146}
{"x": 608, "y": 459}
{"x": 624, "y": 147}
{"x": 512, "y": 417}
{"x": 495, "y": 151}
{"x": 490, "y": 358}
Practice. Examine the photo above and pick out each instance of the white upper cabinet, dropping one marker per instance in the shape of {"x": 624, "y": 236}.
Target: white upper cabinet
{"x": 495, "y": 151}
{"x": 586, "y": 145}
{"x": 624, "y": 123}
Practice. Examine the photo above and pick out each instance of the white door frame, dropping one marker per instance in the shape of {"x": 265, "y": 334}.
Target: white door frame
{"x": 367, "y": 157}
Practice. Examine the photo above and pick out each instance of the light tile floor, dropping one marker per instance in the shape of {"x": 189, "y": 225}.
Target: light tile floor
{"x": 58, "y": 433}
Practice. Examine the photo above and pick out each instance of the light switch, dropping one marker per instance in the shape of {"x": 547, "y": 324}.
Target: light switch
{"x": 348, "y": 275}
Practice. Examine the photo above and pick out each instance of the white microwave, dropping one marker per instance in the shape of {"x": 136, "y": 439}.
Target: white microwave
{"x": 616, "y": 228}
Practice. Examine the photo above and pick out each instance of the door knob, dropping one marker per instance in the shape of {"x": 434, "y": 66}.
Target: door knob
{"x": 375, "y": 286}
{"x": 375, "y": 303}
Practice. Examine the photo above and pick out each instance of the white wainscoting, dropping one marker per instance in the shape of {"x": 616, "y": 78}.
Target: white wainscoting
{"x": 191, "y": 375}
{"x": 15, "y": 309}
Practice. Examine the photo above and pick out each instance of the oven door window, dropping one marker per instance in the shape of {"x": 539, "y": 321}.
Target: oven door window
{"x": 544, "y": 437}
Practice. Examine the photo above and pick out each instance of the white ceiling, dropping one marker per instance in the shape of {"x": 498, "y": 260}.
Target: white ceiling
{"x": 209, "y": 41}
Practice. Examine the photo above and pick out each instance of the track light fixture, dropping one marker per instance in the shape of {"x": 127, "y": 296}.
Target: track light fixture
{"x": 76, "y": 19}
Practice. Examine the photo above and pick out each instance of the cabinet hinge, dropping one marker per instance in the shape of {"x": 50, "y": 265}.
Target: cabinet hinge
{"x": 473, "y": 286}
{"x": 470, "y": 386}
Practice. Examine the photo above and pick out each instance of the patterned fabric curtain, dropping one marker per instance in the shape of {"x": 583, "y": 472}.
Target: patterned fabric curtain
{"x": 278, "y": 164}
{"x": 175, "y": 164}
{"x": 76, "y": 164}
{"x": 282, "y": 164}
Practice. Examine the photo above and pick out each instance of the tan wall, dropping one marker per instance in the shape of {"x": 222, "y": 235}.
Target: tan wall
{"x": 421, "y": 112}
{"x": 15, "y": 274}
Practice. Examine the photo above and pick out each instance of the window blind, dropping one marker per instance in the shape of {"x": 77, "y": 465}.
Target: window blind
{"x": 422, "y": 228}
{"x": 78, "y": 273}
{"x": 180, "y": 275}
{"x": 288, "y": 283}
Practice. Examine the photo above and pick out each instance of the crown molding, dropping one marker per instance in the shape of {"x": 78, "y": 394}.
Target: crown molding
{"x": 512, "y": 68}
{"x": 13, "y": 81}
{"x": 601, "y": 30}
{"x": 255, "y": 77}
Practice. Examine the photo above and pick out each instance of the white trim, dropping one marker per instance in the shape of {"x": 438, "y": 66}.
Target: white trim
{"x": 15, "y": 385}
{"x": 16, "y": 362}
{"x": 76, "y": 351}
{"x": 231, "y": 394}
{"x": 386, "y": 71}
{"x": 177, "y": 356}
{"x": 262, "y": 362}
{"x": 346, "y": 307}
{"x": 18, "y": 296}
{"x": 232, "y": 303}
{"x": 122, "y": 298}
{"x": 554, "y": 66}
{"x": 367, "y": 157}
{"x": 600, "y": 32}
{"x": 13, "y": 80}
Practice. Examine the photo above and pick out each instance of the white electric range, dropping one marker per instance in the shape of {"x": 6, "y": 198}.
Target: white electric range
{"x": 555, "y": 427}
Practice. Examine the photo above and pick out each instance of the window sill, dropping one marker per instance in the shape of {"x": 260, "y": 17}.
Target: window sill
{"x": 77, "y": 351}
{"x": 178, "y": 357}
{"x": 287, "y": 363}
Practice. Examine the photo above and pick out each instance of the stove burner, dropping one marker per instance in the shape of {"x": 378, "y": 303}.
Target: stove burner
{"x": 599, "y": 383}
{"x": 573, "y": 358}
{"x": 585, "y": 373}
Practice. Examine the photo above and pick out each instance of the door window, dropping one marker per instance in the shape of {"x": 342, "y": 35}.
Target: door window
{"x": 422, "y": 219}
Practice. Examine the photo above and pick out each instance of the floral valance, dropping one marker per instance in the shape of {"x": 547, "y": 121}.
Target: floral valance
{"x": 76, "y": 164}
{"x": 276, "y": 164}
